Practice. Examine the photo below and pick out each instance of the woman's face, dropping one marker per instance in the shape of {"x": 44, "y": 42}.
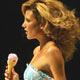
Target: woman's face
{"x": 30, "y": 25}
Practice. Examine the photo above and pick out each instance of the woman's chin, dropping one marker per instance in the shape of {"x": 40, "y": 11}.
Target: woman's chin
{"x": 29, "y": 37}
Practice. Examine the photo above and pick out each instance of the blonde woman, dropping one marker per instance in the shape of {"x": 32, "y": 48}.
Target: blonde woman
{"x": 57, "y": 29}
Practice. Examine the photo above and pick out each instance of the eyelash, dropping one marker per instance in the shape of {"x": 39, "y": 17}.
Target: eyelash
{"x": 28, "y": 20}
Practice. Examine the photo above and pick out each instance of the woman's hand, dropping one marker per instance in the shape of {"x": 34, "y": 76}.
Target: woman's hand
{"x": 14, "y": 75}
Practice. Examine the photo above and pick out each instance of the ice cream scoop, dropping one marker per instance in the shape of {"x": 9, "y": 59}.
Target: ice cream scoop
{"x": 12, "y": 60}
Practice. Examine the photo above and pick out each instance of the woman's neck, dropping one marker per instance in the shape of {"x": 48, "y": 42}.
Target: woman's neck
{"x": 43, "y": 39}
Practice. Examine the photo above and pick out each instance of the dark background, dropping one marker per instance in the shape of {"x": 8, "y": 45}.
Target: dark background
{"x": 13, "y": 39}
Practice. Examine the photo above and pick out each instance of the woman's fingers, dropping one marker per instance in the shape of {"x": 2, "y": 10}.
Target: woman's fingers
{"x": 6, "y": 71}
{"x": 6, "y": 79}
{"x": 6, "y": 74}
{"x": 14, "y": 75}
{"x": 6, "y": 67}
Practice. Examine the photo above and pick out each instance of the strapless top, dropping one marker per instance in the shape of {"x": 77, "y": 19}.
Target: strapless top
{"x": 31, "y": 73}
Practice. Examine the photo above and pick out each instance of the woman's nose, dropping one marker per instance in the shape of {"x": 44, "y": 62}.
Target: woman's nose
{"x": 23, "y": 25}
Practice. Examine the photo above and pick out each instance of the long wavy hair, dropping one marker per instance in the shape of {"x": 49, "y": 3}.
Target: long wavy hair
{"x": 60, "y": 24}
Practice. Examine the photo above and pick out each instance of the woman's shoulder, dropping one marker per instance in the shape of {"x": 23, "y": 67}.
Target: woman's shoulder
{"x": 53, "y": 51}
{"x": 36, "y": 50}
{"x": 52, "y": 47}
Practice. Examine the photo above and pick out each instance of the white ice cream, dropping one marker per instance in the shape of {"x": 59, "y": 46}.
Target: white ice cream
{"x": 13, "y": 57}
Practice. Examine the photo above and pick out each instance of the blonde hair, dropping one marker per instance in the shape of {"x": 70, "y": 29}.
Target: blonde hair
{"x": 61, "y": 24}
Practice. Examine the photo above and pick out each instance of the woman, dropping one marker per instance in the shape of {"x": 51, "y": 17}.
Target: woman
{"x": 57, "y": 29}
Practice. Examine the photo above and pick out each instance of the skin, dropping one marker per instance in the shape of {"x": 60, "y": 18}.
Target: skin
{"x": 14, "y": 75}
{"x": 47, "y": 56}
{"x": 30, "y": 25}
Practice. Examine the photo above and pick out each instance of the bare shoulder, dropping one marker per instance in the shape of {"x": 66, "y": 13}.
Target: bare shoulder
{"x": 35, "y": 51}
{"x": 54, "y": 53}
{"x": 56, "y": 62}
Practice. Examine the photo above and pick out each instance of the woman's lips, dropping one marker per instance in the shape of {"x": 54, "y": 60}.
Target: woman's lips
{"x": 26, "y": 32}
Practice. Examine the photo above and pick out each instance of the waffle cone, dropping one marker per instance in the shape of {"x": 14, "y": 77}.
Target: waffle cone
{"x": 11, "y": 64}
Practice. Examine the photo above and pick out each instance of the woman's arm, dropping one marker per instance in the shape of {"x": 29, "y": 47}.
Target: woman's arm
{"x": 56, "y": 63}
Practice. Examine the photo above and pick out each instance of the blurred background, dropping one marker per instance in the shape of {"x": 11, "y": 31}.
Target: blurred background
{"x": 13, "y": 39}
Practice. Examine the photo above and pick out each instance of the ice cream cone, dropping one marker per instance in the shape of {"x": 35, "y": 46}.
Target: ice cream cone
{"x": 11, "y": 64}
